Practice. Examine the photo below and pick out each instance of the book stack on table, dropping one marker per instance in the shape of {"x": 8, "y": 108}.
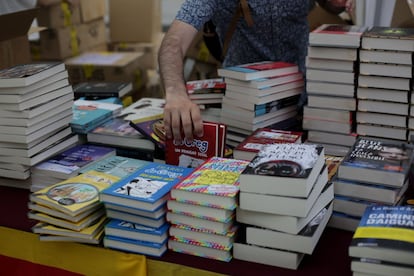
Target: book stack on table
{"x": 331, "y": 74}
{"x": 285, "y": 204}
{"x": 384, "y": 85}
{"x": 259, "y": 95}
{"x": 383, "y": 242}
{"x": 136, "y": 206}
{"x": 35, "y": 112}
{"x": 70, "y": 210}
{"x": 374, "y": 172}
{"x": 202, "y": 210}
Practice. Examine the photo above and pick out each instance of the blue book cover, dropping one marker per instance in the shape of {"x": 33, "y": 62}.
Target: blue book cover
{"x": 117, "y": 165}
{"x": 85, "y": 119}
{"x": 154, "y": 214}
{"x": 147, "y": 188}
{"x": 386, "y": 228}
{"x": 138, "y": 228}
{"x": 71, "y": 161}
{"x": 135, "y": 246}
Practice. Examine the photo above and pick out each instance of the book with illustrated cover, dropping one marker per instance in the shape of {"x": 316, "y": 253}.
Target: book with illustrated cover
{"x": 55, "y": 238}
{"x": 91, "y": 104}
{"x": 214, "y": 184}
{"x": 135, "y": 246}
{"x": 256, "y": 70}
{"x": 385, "y": 233}
{"x": 377, "y": 161}
{"x": 192, "y": 154}
{"x": 283, "y": 169}
{"x": 76, "y": 194}
{"x": 118, "y": 132}
{"x": 147, "y": 189}
{"x": 250, "y": 146}
{"x": 337, "y": 35}
{"x": 118, "y": 166}
{"x": 137, "y": 219}
{"x": 153, "y": 129}
{"x": 388, "y": 38}
{"x": 96, "y": 90}
{"x": 154, "y": 214}
{"x": 27, "y": 74}
{"x": 143, "y": 109}
{"x": 86, "y": 118}
{"x": 69, "y": 162}
{"x": 133, "y": 231}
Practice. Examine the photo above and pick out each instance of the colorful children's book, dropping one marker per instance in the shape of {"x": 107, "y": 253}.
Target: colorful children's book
{"x": 76, "y": 194}
{"x": 147, "y": 189}
{"x": 85, "y": 104}
{"x": 215, "y": 183}
{"x": 133, "y": 231}
{"x": 86, "y": 118}
{"x": 153, "y": 129}
{"x": 143, "y": 110}
{"x": 192, "y": 154}
{"x": 70, "y": 162}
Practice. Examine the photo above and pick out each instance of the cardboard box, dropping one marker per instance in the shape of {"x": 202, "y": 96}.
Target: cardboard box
{"x": 59, "y": 15}
{"x": 134, "y": 20}
{"x": 150, "y": 50}
{"x": 92, "y": 9}
{"x": 14, "y": 43}
{"x": 70, "y": 41}
{"x": 107, "y": 66}
{"x": 403, "y": 14}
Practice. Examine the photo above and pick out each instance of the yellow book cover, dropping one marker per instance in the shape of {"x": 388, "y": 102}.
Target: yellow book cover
{"x": 76, "y": 194}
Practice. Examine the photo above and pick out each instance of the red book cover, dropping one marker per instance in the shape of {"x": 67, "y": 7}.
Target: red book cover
{"x": 249, "y": 147}
{"x": 193, "y": 153}
{"x": 216, "y": 85}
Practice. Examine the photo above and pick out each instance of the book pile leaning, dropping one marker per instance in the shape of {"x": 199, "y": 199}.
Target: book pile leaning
{"x": 71, "y": 210}
{"x": 375, "y": 171}
{"x": 136, "y": 206}
{"x": 285, "y": 204}
{"x": 202, "y": 210}
{"x": 383, "y": 243}
{"x": 35, "y": 113}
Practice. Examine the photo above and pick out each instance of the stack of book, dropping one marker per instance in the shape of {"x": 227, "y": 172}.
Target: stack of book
{"x": 206, "y": 91}
{"x": 71, "y": 210}
{"x": 331, "y": 73}
{"x": 118, "y": 132}
{"x": 66, "y": 164}
{"x": 251, "y": 145}
{"x": 375, "y": 171}
{"x": 202, "y": 210}
{"x": 136, "y": 206}
{"x": 88, "y": 114}
{"x": 102, "y": 90}
{"x": 35, "y": 112}
{"x": 384, "y": 87}
{"x": 285, "y": 204}
{"x": 383, "y": 242}
{"x": 259, "y": 95}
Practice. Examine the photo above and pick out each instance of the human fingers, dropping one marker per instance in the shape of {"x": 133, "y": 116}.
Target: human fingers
{"x": 197, "y": 121}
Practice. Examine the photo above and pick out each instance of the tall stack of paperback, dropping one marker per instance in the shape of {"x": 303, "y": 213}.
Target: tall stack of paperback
{"x": 285, "y": 204}
{"x": 35, "y": 111}
{"x": 374, "y": 172}
{"x": 202, "y": 210}
{"x": 67, "y": 164}
{"x": 71, "y": 210}
{"x": 136, "y": 206}
{"x": 258, "y": 95}
{"x": 331, "y": 73}
{"x": 385, "y": 83}
{"x": 383, "y": 243}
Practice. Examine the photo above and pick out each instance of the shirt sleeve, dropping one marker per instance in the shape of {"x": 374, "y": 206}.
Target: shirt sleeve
{"x": 197, "y": 12}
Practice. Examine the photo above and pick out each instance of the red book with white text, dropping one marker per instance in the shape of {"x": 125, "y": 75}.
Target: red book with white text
{"x": 250, "y": 146}
{"x": 193, "y": 153}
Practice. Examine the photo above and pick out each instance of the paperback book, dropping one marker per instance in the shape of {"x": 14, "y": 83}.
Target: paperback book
{"x": 143, "y": 109}
{"x": 153, "y": 129}
{"x": 135, "y": 246}
{"x": 337, "y": 35}
{"x": 104, "y": 89}
{"x": 206, "y": 88}
{"x": 213, "y": 184}
{"x": 147, "y": 189}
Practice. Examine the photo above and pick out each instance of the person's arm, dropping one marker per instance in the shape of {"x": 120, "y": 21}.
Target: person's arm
{"x": 336, "y": 6}
{"x": 180, "y": 113}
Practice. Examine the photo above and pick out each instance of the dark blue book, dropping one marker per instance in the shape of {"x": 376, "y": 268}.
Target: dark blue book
{"x": 148, "y": 188}
{"x": 135, "y": 246}
{"x": 134, "y": 231}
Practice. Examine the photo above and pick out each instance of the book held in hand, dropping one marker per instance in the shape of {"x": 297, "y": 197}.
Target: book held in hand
{"x": 283, "y": 169}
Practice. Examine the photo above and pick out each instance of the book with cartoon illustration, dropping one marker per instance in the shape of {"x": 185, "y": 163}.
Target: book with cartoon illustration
{"x": 213, "y": 184}
{"x": 76, "y": 194}
{"x": 146, "y": 189}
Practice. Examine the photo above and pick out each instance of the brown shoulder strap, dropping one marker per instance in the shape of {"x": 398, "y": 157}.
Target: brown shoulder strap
{"x": 242, "y": 10}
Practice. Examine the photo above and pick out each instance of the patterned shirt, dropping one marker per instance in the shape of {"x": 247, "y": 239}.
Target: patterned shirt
{"x": 279, "y": 32}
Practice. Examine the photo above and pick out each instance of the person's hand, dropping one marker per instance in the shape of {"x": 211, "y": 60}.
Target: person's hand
{"x": 347, "y": 4}
{"x": 182, "y": 116}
